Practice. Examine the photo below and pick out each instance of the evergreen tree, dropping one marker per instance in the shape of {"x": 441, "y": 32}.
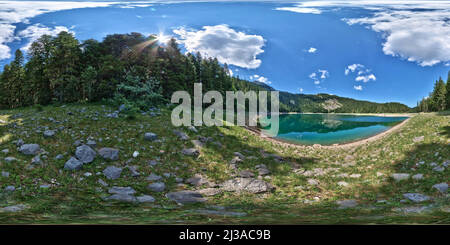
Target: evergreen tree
{"x": 447, "y": 89}
{"x": 438, "y": 97}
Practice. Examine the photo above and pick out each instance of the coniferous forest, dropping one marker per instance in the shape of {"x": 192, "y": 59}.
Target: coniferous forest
{"x": 139, "y": 71}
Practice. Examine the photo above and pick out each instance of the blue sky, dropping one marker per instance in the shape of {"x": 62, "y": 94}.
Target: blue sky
{"x": 371, "y": 50}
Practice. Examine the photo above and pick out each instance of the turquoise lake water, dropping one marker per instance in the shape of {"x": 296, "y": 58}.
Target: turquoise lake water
{"x": 326, "y": 129}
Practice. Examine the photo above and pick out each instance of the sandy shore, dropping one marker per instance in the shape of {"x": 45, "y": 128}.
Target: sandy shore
{"x": 344, "y": 145}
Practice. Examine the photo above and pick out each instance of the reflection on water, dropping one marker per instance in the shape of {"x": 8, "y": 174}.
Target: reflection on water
{"x": 330, "y": 129}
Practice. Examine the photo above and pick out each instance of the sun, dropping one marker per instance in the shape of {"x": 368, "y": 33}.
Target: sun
{"x": 162, "y": 38}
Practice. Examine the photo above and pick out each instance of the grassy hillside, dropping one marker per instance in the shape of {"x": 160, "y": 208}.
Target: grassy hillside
{"x": 309, "y": 182}
{"x": 290, "y": 102}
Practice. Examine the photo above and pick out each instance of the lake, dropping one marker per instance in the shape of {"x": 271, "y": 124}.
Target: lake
{"x": 328, "y": 129}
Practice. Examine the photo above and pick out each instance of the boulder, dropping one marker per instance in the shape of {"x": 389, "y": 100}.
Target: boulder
{"x": 85, "y": 154}
{"x": 441, "y": 187}
{"x": 185, "y": 197}
{"x": 121, "y": 190}
{"x": 49, "y": 133}
{"x": 145, "y": 199}
{"x": 30, "y": 149}
{"x": 73, "y": 164}
{"x": 416, "y": 197}
{"x": 157, "y": 187}
{"x": 109, "y": 153}
{"x": 112, "y": 172}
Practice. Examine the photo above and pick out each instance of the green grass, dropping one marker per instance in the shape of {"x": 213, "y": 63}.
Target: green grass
{"x": 71, "y": 200}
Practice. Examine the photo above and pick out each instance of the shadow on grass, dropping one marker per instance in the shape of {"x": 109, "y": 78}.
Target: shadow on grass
{"x": 445, "y": 131}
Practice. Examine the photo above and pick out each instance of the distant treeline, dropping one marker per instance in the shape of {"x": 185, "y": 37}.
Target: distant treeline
{"x": 439, "y": 98}
{"x": 137, "y": 71}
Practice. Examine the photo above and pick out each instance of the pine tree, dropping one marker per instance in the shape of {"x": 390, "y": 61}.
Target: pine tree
{"x": 438, "y": 96}
{"x": 447, "y": 88}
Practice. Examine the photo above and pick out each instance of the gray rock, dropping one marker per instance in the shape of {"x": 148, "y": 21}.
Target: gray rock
{"x": 246, "y": 174}
{"x": 347, "y": 203}
{"x": 400, "y": 176}
{"x": 91, "y": 143}
{"x": 441, "y": 187}
{"x": 157, "y": 187}
{"x": 438, "y": 169}
{"x": 102, "y": 182}
{"x": 10, "y": 188}
{"x": 59, "y": 157}
{"x": 121, "y": 190}
{"x": 19, "y": 142}
{"x": 15, "y": 208}
{"x": 198, "y": 180}
{"x": 49, "y": 133}
{"x": 416, "y": 197}
{"x": 133, "y": 171}
{"x": 73, "y": 164}
{"x": 417, "y": 176}
{"x": 85, "y": 154}
{"x": 121, "y": 198}
{"x": 77, "y": 143}
{"x": 210, "y": 191}
{"x": 112, "y": 172}
{"x": 198, "y": 143}
{"x": 145, "y": 199}
{"x": 185, "y": 197}
{"x": 30, "y": 149}
{"x": 181, "y": 135}
{"x": 263, "y": 171}
{"x": 190, "y": 152}
{"x": 10, "y": 159}
{"x": 36, "y": 160}
{"x": 5, "y": 151}
{"x": 5, "y": 174}
{"x": 109, "y": 153}
{"x": 150, "y": 136}
{"x": 153, "y": 177}
{"x": 247, "y": 185}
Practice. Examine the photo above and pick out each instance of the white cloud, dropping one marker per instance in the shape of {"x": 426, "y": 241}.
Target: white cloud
{"x": 324, "y": 74}
{"x": 260, "y": 79}
{"x": 6, "y": 36}
{"x": 36, "y": 31}
{"x": 359, "y": 87}
{"x": 319, "y": 76}
{"x": 312, "y": 50}
{"x": 363, "y": 74}
{"x": 227, "y": 45}
{"x": 366, "y": 78}
{"x": 352, "y": 68}
{"x": 418, "y": 31}
{"x": 418, "y": 36}
{"x": 12, "y": 12}
{"x": 301, "y": 10}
